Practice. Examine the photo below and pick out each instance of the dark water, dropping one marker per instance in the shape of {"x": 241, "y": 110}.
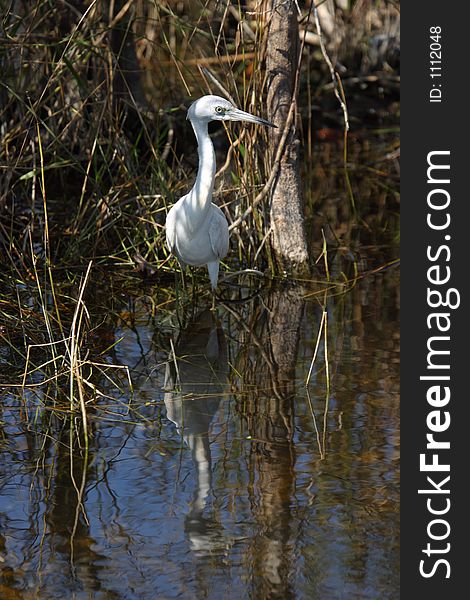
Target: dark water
{"x": 219, "y": 475}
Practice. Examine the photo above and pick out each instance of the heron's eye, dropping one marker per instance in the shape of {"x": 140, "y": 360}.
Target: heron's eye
{"x": 220, "y": 110}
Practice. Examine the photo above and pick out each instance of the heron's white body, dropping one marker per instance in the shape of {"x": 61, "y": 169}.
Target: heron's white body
{"x": 206, "y": 246}
{"x": 196, "y": 229}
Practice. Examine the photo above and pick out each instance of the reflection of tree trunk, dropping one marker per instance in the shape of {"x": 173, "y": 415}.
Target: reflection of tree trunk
{"x": 289, "y": 238}
{"x": 275, "y": 460}
{"x": 287, "y": 308}
{"x": 272, "y": 425}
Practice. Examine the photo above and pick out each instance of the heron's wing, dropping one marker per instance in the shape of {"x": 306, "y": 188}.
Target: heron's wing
{"x": 170, "y": 230}
{"x": 218, "y": 232}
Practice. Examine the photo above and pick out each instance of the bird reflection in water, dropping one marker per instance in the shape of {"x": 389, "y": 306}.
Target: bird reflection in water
{"x": 195, "y": 380}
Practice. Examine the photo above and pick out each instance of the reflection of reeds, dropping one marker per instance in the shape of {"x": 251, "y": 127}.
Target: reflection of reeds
{"x": 321, "y": 330}
{"x": 322, "y": 334}
{"x": 320, "y": 439}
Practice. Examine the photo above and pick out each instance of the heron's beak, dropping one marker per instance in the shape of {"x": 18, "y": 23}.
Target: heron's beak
{"x": 239, "y": 115}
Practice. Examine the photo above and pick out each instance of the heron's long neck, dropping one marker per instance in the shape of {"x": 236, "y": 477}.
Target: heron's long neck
{"x": 200, "y": 197}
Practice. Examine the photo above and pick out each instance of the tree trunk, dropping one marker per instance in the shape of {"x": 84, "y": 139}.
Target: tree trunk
{"x": 289, "y": 239}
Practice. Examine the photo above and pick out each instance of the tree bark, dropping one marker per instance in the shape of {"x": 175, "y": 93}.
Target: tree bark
{"x": 289, "y": 239}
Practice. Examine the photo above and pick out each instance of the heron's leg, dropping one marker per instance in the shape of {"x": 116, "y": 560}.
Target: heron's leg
{"x": 183, "y": 276}
{"x": 177, "y": 290}
{"x": 213, "y": 299}
{"x": 213, "y": 268}
{"x": 193, "y": 286}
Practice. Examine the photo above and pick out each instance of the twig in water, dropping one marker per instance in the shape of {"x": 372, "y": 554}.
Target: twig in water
{"x": 317, "y": 433}
{"x": 317, "y": 344}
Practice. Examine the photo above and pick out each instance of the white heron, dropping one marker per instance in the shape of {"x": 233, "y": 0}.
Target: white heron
{"x": 196, "y": 229}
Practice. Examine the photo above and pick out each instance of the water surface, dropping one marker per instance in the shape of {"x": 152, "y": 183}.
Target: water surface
{"x": 219, "y": 475}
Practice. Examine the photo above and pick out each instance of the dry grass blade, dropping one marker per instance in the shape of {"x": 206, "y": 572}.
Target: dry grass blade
{"x": 317, "y": 344}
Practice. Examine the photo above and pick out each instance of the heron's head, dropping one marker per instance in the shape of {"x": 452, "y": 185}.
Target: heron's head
{"x": 216, "y": 108}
